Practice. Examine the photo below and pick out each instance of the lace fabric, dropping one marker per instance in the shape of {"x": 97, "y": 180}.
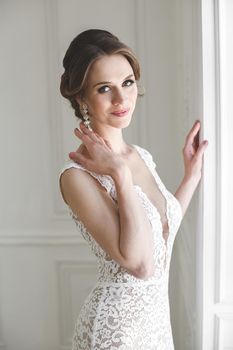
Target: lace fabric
{"x": 123, "y": 312}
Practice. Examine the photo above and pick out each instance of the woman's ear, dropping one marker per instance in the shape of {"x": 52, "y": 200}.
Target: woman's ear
{"x": 79, "y": 100}
{"x": 141, "y": 90}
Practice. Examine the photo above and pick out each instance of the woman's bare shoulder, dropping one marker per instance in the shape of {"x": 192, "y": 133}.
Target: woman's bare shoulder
{"x": 78, "y": 180}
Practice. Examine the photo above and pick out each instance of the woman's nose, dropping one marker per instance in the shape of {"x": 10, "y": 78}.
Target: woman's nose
{"x": 118, "y": 98}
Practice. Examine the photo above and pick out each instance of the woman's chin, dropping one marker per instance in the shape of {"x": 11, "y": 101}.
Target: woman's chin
{"x": 122, "y": 123}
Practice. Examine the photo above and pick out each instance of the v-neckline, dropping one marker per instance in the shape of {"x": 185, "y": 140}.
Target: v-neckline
{"x": 148, "y": 199}
{"x": 154, "y": 208}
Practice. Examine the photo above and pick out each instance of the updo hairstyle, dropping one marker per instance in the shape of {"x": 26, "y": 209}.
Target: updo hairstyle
{"x": 83, "y": 51}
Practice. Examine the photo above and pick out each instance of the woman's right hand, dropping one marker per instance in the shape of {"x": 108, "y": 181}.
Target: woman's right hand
{"x": 101, "y": 158}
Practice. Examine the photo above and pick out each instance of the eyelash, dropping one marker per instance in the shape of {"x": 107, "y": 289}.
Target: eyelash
{"x": 101, "y": 91}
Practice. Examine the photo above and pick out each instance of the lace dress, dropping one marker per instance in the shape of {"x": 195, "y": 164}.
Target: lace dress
{"x": 123, "y": 312}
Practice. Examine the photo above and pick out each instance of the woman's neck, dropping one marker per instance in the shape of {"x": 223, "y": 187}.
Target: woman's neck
{"x": 114, "y": 137}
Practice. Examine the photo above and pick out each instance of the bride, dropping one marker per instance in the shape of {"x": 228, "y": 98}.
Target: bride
{"x": 118, "y": 201}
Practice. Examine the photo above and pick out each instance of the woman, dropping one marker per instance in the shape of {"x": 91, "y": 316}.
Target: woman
{"x": 118, "y": 201}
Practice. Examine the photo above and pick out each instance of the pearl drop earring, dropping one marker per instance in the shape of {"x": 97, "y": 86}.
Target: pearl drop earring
{"x": 86, "y": 116}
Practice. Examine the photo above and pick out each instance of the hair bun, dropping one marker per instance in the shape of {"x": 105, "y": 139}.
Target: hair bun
{"x": 64, "y": 86}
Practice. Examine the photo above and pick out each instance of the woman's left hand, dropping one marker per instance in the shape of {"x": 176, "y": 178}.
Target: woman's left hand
{"x": 193, "y": 152}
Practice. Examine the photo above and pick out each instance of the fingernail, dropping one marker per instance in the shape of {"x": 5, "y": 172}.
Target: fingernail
{"x": 71, "y": 154}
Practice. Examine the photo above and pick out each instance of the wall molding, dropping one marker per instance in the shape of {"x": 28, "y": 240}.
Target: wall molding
{"x": 223, "y": 322}
{"x": 218, "y": 257}
{"x": 224, "y": 54}
{"x": 38, "y": 238}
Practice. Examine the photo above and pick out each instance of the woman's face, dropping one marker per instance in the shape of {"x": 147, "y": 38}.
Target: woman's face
{"x": 111, "y": 92}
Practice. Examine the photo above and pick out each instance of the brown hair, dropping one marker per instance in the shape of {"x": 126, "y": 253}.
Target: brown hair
{"x": 83, "y": 51}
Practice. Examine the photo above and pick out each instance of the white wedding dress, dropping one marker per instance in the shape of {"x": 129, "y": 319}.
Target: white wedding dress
{"x": 123, "y": 312}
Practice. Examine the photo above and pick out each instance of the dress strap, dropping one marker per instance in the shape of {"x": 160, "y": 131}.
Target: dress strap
{"x": 146, "y": 156}
{"x": 105, "y": 180}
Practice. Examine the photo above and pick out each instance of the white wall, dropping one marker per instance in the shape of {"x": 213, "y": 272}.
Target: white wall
{"x": 46, "y": 268}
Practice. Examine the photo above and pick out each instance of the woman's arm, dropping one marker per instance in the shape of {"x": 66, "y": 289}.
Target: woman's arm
{"x": 185, "y": 192}
{"x": 136, "y": 239}
{"x": 193, "y": 161}
{"x": 127, "y": 236}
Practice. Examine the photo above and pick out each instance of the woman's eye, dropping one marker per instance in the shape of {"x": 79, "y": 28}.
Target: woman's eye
{"x": 103, "y": 89}
{"x": 129, "y": 82}
{"x": 106, "y": 88}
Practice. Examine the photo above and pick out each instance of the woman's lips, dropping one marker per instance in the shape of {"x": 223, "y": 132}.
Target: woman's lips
{"x": 121, "y": 113}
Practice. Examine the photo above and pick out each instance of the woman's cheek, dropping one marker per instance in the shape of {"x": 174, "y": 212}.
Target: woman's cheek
{"x": 134, "y": 93}
{"x": 95, "y": 104}
{"x": 134, "y": 97}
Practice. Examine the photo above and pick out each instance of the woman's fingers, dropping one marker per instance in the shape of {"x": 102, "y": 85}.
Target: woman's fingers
{"x": 192, "y": 135}
{"x": 79, "y": 158}
{"x": 201, "y": 150}
{"x": 83, "y": 130}
{"x": 87, "y": 135}
{"x": 196, "y": 140}
{"x": 93, "y": 142}
{"x": 90, "y": 133}
{"x": 79, "y": 133}
{"x": 75, "y": 156}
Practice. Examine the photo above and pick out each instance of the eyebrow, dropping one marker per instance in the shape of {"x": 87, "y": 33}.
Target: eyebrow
{"x": 109, "y": 82}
